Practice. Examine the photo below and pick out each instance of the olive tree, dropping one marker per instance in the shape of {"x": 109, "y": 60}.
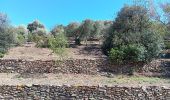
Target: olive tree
{"x": 85, "y": 30}
{"x": 57, "y": 30}
{"x": 21, "y": 35}
{"x": 132, "y": 30}
{"x": 71, "y": 29}
{"x": 6, "y": 34}
{"x": 34, "y": 26}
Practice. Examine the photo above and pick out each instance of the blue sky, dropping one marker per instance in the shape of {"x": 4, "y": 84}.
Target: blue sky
{"x": 52, "y": 12}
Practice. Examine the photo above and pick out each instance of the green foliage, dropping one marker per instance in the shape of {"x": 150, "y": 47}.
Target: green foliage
{"x": 7, "y": 37}
{"x": 20, "y": 39}
{"x": 39, "y": 32}
{"x": 86, "y": 29}
{"x": 71, "y": 29}
{"x": 1, "y": 54}
{"x": 39, "y": 36}
{"x": 21, "y": 33}
{"x": 167, "y": 44}
{"x": 57, "y": 30}
{"x": 142, "y": 43}
{"x": 153, "y": 42}
{"x": 34, "y": 26}
{"x": 134, "y": 53}
{"x": 97, "y": 31}
{"x": 116, "y": 55}
{"x": 132, "y": 19}
{"x": 127, "y": 53}
{"x": 58, "y": 43}
{"x": 159, "y": 28}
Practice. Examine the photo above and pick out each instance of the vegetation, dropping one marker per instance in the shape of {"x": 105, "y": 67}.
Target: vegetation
{"x": 127, "y": 53}
{"x": 34, "y": 26}
{"x": 136, "y": 35}
{"x": 133, "y": 36}
{"x": 58, "y": 43}
{"x": 21, "y": 34}
{"x": 7, "y": 37}
{"x": 57, "y": 30}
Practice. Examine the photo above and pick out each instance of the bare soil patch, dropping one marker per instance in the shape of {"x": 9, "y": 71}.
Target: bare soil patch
{"x": 30, "y": 52}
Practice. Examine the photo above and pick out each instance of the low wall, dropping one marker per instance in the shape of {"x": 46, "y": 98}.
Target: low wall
{"x": 76, "y": 66}
{"x": 38, "y": 92}
{"x": 66, "y": 66}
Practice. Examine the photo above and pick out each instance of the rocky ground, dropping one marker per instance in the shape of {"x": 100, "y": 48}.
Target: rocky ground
{"x": 91, "y": 51}
{"x": 80, "y": 80}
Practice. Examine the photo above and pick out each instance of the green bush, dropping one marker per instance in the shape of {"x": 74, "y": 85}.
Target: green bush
{"x": 43, "y": 42}
{"x": 7, "y": 38}
{"x": 167, "y": 44}
{"x": 134, "y": 53}
{"x": 127, "y": 53}
{"x": 1, "y": 55}
{"x": 2, "y": 52}
{"x": 58, "y": 43}
{"x": 116, "y": 55}
{"x": 20, "y": 39}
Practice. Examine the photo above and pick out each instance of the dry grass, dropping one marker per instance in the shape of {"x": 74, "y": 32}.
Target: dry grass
{"x": 81, "y": 80}
{"x": 30, "y": 52}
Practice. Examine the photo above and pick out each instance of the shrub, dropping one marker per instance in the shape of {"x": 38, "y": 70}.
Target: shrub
{"x": 2, "y": 52}
{"x": 116, "y": 55}
{"x": 127, "y": 53}
{"x": 167, "y": 44}
{"x": 134, "y": 53}
{"x": 20, "y": 39}
{"x": 1, "y": 55}
{"x": 58, "y": 43}
{"x": 43, "y": 42}
{"x": 6, "y": 40}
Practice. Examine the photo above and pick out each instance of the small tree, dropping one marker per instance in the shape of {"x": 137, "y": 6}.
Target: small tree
{"x": 58, "y": 43}
{"x": 85, "y": 30}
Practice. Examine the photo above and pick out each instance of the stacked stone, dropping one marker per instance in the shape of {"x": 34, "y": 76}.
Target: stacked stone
{"x": 74, "y": 66}
{"x": 43, "y": 92}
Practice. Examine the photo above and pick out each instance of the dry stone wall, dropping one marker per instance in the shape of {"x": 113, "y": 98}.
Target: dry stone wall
{"x": 76, "y": 66}
{"x": 66, "y": 66}
{"x": 39, "y": 92}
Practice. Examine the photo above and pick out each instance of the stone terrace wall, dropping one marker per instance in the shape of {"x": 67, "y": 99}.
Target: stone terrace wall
{"x": 79, "y": 66}
{"x": 67, "y": 66}
{"x": 38, "y": 92}
{"x": 74, "y": 66}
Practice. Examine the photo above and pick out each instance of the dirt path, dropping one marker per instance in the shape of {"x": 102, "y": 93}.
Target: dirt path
{"x": 80, "y": 80}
